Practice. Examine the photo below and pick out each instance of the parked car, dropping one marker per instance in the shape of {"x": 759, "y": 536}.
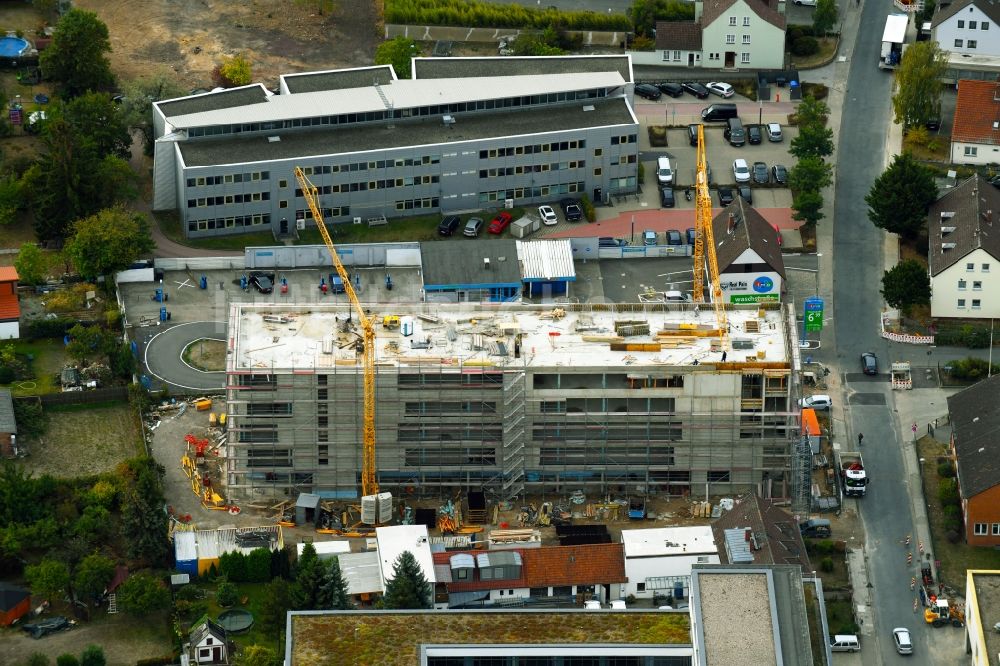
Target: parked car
{"x": 674, "y": 237}
{"x": 449, "y": 225}
{"x": 754, "y": 135}
{"x": 741, "y": 171}
{"x": 499, "y": 223}
{"x": 746, "y": 193}
{"x": 667, "y": 197}
{"x": 725, "y": 195}
{"x": 649, "y": 237}
{"x": 807, "y": 3}
{"x": 780, "y": 174}
{"x": 760, "y": 173}
{"x": 815, "y": 528}
{"x": 901, "y": 637}
{"x": 607, "y": 241}
{"x": 262, "y": 282}
{"x": 671, "y": 89}
{"x": 473, "y": 226}
{"x": 648, "y": 91}
{"x": 721, "y": 89}
{"x": 818, "y": 402}
{"x": 548, "y": 215}
{"x": 572, "y": 210}
{"x": 664, "y": 171}
{"x": 693, "y": 134}
{"x": 690, "y": 235}
{"x": 774, "y": 132}
{"x": 869, "y": 363}
{"x": 696, "y": 89}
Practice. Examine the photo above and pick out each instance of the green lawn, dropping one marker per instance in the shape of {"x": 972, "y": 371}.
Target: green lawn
{"x": 254, "y": 593}
{"x": 48, "y": 359}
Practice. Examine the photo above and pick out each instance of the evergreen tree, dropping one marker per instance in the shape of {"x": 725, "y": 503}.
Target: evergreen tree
{"x": 309, "y": 574}
{"x": 408, "y": 587}
{"x": 899, "y": 198}
{"x": 275, "y": 605}
{"x": 333, "y": 589}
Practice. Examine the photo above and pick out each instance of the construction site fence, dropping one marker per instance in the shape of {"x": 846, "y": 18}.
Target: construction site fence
{"x": 109, "y": 394}
{"x": 200, "y": 263}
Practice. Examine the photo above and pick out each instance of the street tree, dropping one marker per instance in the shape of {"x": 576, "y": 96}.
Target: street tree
{"x": 824, "y": 17}
{"x": 93, "y": 574}
{"x": 813, "y": 140}
{"x": 811, "y": 110}
{"x": 30, "y": 264}
{"x": 108, "y": 241}
{"x": 95, "y": 120}
{"x": 408, "y": 587}
{"x": 78, "y": 56}
{"x": 333, "y": 589}
{"x": 918, "y": 84}
{"x": 906, "y": 284}
{"x": 807, "y": 206}
{"x": 48, "y": 579}
{"x": 810, "y": 173}
{"x": 899, "y": 198}
{"x": 398, "y": 53}
{"x": 142, "y": 594}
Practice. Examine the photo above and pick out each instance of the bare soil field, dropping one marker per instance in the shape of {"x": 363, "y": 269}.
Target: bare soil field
{"x": 191, "y": 37}
{"x": 85, "y": 440}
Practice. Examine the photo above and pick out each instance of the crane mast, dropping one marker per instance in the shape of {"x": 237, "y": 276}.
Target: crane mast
{"x": 704, "y": 244}
{"x": 369, "y": 485}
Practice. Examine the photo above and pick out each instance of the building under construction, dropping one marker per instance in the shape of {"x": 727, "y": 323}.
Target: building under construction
{"x": 515, "y": 399}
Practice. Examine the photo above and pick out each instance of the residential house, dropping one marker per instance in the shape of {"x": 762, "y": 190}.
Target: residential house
{"x": 658, "y": 561}
{"x": 757, "y": 531}
{"x": 751, "y": 269}
{"x": 10, "y": 307}
{"x": 208, "y": 644}
{"x": 967, "y": 27}
{"x": 963, "y": 253}
{"x": 982, "y": 608}
{"x": 975, "y": 418}
{"x": 15, "y": 603}
{"x": 8, "y": 425}
{"x": 678, "y": 43}
{"x": 975, "y": 134}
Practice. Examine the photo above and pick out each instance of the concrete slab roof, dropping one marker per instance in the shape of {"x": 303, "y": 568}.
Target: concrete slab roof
{"x": 447, "y": 265}
{"x": 444, "y": 68}
{"x": 669, "y": 541}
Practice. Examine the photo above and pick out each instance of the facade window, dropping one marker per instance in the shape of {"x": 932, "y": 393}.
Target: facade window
{"x": 972, "y": 25}
{"x": 598, "y": 152}
{"x": 282, "y": 204}
{"x": 976, "y": 304}
{"x": 985, "y": 25}
{"x": 746, "y": 39}
{"x": 977, "y": 285}
{"x": 718, "y": 476}
{"x": 746, "y": 20}
{"x": 980, "y": 529}
{"x": 962, "y": 284}
{"x": 666, "y": 56}
{"x": 732, "y": 20}
{"x": 640, "y": 587}
{"x": 677, "y": 56}
{"x": 597, "y": 171}
{"x": 958, "y": 43}
{"x": 971, "y": 44}
{"x": 986, "y": 268}
{"x": 282, "y": 183}
{"x": 969, "y": 267}
{"x": 971, "y": 151}
{"x": 996, "y": 529}
{"x": 744, "y": 58}
{"x": 961, "y": 24}
{"x": 730, "y": 39}
{"x": 961, "y": 302}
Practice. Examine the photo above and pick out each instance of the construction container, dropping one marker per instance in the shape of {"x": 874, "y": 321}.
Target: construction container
{"x": 525, "y": 227}
{"x": 203, "y": 405}
{"x": 810, "y": 429}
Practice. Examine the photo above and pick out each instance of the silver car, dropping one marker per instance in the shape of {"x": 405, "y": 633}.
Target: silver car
{"x": 774, "y": 133}
{"x": 741, "y": 171}
{"x": 901, "y": 637}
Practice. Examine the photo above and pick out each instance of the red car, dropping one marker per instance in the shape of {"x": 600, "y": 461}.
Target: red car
{"x": 499, "y": 223}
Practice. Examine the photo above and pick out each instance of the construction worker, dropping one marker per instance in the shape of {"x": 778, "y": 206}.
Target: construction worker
{"x": 861, "y": 438}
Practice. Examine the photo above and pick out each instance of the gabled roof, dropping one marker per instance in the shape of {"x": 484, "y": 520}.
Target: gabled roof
{"x": 775, "y": 532}
{"x": 989, "y": 7}
{"x": 739, "y": 228}
{"x": 11, "y": 596}
{"x": 977, "y": 110}
{"x": 678, "y": 35}
{"x": 713, "y": 9}
{"x": 975, "y": 420}
{"x": 8, "y": 274}
{"x": 207, "y": 628}
{"x": 973, "y": 210}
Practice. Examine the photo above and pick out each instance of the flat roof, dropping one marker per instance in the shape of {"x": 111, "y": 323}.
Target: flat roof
{"x": 543, "y": 260}
{"x": 669, "y": 541}
{"x": 444, "y": 68}
{"x": 391, "y": 638}
{"x": 362, "y": 572}
{"x": 465, "y": 336}
{"x": 736, "y": 599}
{"x": 987, "y": 584}
{"x": 397, "y": 94}
{"x": 426, "y": 130}
{"x": 393, "y": 541}
{"x": 214, "y": 101}
{"x": 463, "y": 264}
{"x": 337, "y": 79}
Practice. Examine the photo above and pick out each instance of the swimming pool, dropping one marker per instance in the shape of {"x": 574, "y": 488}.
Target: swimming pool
{"x": 13, "y": 47}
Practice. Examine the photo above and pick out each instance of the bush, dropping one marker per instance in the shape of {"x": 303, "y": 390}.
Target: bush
{"x": 189, "y": 593}
{"x": 234, "y": 566}
{"x": 972, "y": 369}
{"x": 643, "y": 44}
{"x": 258, "y": 567}
{"x": 227, "y": 594}
{"x": 487, "y": 15}
{"x": 588, "y": 208}
{"x": 973, "y": 337}
{"x": 953, "y": 536}
{"x": 953, "y": 524}
{"x": 805, "y": 46}
{"x": 48, "y": 328}
{"x": 945, "y": 470}
{"x": 952, "y": 511}
{"x": 826, "y": 564}
{"x": 164, "y": 660}
{"x": 947, "y": 491}
{"x": 657, "y": 135}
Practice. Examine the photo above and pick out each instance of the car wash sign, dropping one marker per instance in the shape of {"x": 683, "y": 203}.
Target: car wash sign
{"x": 751, "y": 287}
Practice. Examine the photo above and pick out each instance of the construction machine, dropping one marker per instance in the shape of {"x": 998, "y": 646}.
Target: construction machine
{"x": 704, "y": 244}
{"x": 941, "y": 612}
{"x": 369, "y": 484}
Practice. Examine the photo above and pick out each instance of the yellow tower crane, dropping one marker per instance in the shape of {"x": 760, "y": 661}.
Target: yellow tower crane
{"x": 369, "y": 485}
{"x": 705, "y": 238}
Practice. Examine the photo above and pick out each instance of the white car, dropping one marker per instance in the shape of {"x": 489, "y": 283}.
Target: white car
{"x": 774, "y": 132}
{"x": 901, "y": 637}
{"x": 741, "y": 171}
{"x": 719, "y": 88}
{"x": 816, "y": 402}
{"x": 807, "y": 3}
{"x": 548, "y": 215}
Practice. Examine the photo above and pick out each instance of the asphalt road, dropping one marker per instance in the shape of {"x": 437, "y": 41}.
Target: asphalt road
{"x": 857, "y": 269}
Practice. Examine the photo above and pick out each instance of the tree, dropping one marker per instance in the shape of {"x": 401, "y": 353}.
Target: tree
{"x": 398, "y": 53}
{"x": 812, "y": 111}
{"x": 333, "y": 590}
{"x": 258, "y": 565}
{"x": 906, "y": 284}
{"x": 31, "y": 419}
{"x": 94, "y": 119}
{"x": 227, "y": 594}
{"x": 235, "y": 71}
{"x": 142, "y": 594}
{"x": 810, "y": 173}
{"x": 48, "y": 579}
{"x": 309, "y": 575}
{"x": 108, "y": 241}
{"x": 807, "y": 206}
{"x": 92, "y": 655}
{"x": 30, "y": 264}
{"x": 67, "y": 660}
{"x": 899, "y": 198}
{"x": 77, "y": 57}
{"x": 824, "y": 17}
{"x": 918, "y": 84}
{"x": 257, "y": 655}
{"x": 813, "y": 140}
{"x": 408, "y": 587}
{"x": 143, "y": 522}
{"x": 11, "y": 198}
{"x": 276, "y": 603}
{"x": 93, "y": 574}
{"x": 645, "y": 13}
{"x": 137, "y": 103}
{"x": 86, "y": 342}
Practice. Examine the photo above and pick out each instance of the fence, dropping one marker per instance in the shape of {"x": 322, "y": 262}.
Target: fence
{"x": 110, "y": 394}
{"x": 200, "y": 263}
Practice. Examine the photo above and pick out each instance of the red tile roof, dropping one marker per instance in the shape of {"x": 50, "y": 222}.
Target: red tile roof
{"x": 678, "y": 36}
{"x": 10, "y": 309}
{"x": 976, "y": 111}
{"x": 8, "y": 274}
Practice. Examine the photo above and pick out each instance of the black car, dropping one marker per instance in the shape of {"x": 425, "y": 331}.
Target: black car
{"x": 754, "y": 135}
{"x": 869, "y": 363}
{"x": 760, "y": 174}
{"x": 449, "y": 225}
{"x": 262, "y": 282}
{"x": 572, "y": 210}
{"x": 696, "y": 89}
{"x": 693, "y": 134}
{"x": 780, "y": 174}
{"x": 725, "y": 195}
{"x": 671, "y": 89}
{"x": 648, "y": 91}
{"x": 690, "y": 235}
{"x": 746, "y": 193}
{"x": 667, "y": 197}
{"x": 674, "y": 237}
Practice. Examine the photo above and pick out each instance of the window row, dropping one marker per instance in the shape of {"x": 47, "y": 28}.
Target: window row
{"x": 731, "y": 39}
{"x": 373, "y": 164}
{"x": 976, "y": 303}
{"x": 328, "y": 213}
{"x": 977, "y": 285}
{"x": 969, "y": 44}
{"x": 531, "y": 168}
{"x": 416, "y": 204}
{"x": 733, "y": 19}
{"x": 980, "y": 529}
{"x": 229, "y": 222}
{"x": 250, "y": 177}
{"x": 365, "y": 185}
{"x": 983, "y": 25}
{"x": 970, "y": 267}
{"x": 204, "y": 202}
{"x": 532, "y": 149}
{"x": 531, "y": 192}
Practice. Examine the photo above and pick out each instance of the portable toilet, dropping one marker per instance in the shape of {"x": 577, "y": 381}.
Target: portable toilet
{"x": 810, "y": 429}
{"x": 406, "y": 326}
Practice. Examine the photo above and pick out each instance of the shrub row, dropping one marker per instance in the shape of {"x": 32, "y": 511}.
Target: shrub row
{"x": 973, "y": 337}
{"x": 482, "y": 15}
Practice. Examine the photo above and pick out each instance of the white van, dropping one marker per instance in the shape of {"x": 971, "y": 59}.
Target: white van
{"x": 664, "y": 172}
{"x": 845, "y": 643}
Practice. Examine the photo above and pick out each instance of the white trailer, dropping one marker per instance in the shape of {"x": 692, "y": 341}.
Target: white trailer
{"x": 893, "y": 41}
